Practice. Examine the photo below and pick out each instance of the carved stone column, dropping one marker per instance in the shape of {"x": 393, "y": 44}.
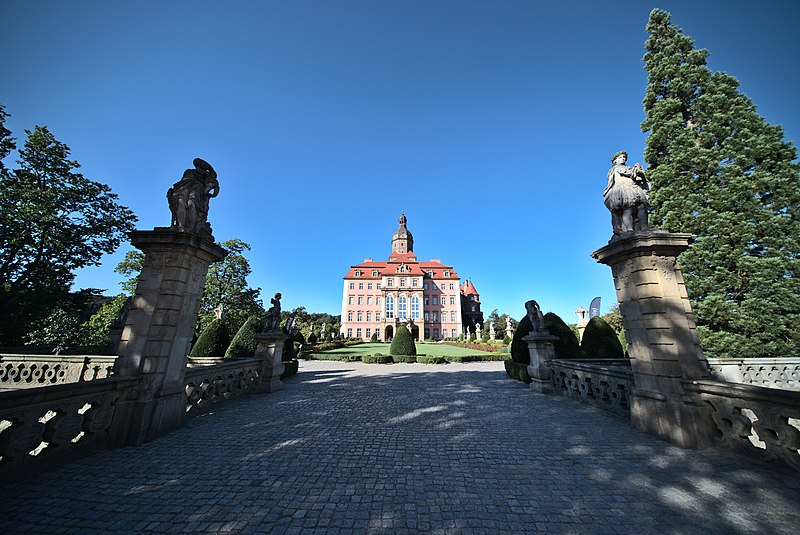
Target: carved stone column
{"x": 270, "y": 351}
{"x": 158, "y": 331}
{"x": 540, "y": 347}
{"x": 661, "y": 335}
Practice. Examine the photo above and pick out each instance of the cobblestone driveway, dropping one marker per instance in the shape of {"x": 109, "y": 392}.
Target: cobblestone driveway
{"x": 353, "y": 448}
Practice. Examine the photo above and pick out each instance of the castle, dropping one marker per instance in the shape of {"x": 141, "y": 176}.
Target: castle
{"x": 427, "y": 296}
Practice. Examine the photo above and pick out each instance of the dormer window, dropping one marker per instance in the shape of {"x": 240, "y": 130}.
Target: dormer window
{"x": 374, "y": 272}
{"x": 358, "y": 273}
{"x": 446, "y": 273}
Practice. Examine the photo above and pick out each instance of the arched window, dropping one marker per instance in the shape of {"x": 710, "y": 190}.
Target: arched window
{"x": 389, "y": 307}
{"x": 401, "y": 307}
{"x": 415, "y": 308}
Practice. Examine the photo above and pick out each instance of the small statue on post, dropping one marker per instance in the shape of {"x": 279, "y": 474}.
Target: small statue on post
{"x": 626, "y": 196}
{"x": 189, "y": 197}
{"x": 535, "y": 317}
{"x": 272, "y": 321}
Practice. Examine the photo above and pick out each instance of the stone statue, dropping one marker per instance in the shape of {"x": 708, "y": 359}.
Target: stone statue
{"x": 290, "y": 326}
{"x": 272, "y": 321}
{"x": 478, "y": 331}
{"x": 492, "y": 334}
{"x": 581, "y": 313}
{"x": 188, "y": 199}
{"x": 219, "y": 311}
{"x": 626, "y": 195}
{"x": 324, "y": 326}
{"x": 536, "y": 318}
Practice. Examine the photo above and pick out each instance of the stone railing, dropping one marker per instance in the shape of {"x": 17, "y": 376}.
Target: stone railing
{"x": 30, "y": 371}
{"x": 783, "y": 373}
{"x": 209, "y": 386}
{"x": 46, "y": 426}
{"x": 604, "y": 383}
{"x": 753, "y": 419}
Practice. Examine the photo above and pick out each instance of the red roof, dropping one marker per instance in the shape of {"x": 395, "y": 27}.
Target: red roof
{"x": 469, "y": 289}
{"x": 395, "y": 260}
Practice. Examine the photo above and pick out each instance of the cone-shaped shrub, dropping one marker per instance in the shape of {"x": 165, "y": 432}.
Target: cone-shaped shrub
{"x": 312, "y": 338}
{"x": 600, "y": 340}
{"x": 374, "y": 337}
{"x": 566, "y": 347}
{"x": 519, "y": 347}
{"x": 403, "y": 343}
{"x": 243, "y": 343}
{"x": 213, "y": 341}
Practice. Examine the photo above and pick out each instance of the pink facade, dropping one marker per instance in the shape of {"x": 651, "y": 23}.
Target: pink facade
{"x": 377, "y": 296}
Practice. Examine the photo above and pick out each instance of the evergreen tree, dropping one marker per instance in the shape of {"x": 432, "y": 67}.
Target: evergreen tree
{"x": 244, "y": 343}
{"x": 213, "y": 341}
{"x": 403, "y": 342}
{"x": 600, "y": 340}
{"x": 718, "y": 170}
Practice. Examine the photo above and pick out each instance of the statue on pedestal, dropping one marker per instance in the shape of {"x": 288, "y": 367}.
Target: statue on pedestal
{"x": 188, "y": 199}
{"x": 492, "y": 334}
{"x": 509, "y": 327}
{"x": 536, "y": 318}
{"x": 272, "y": 320}
{"x": 478, "y": 331}
{"x": 626, "y": 195}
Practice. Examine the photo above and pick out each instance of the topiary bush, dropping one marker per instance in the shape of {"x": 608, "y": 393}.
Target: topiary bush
{"x": 213, "y": 341}
{"x": 566, "y": 347}
{"x": 312, "y": 338}
{"x": 403, "y": 343}
{"x": 243, "y": 344}
{"x": 600, "y": 340}
{"x": 289, "y": 368}
{"x": 519, "y": 347}
{"x": 506, "y": 339}
{"x": 407, "y": 359}
{"x": 517, "y": 371}
{"x": 374, "y": 338}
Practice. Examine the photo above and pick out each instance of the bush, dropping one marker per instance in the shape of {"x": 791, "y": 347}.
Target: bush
{"x": 473, "y": 337}
{"x": 312, "y": 338}
{"x": 289, "y": 368}
{"x": 332, "y": 356}
{"x": 485, "y": 338}
{"x": 407, "y": 359}
{"x": 288, "y": 351}
{"x": 213, "y": 341}
{"x": 374, "y": 337}
{"x": 519, "y": 347}
{"x": 566, "y": 347}
{"x": 600, "y": 340}
{"x": 377, "y": 359}
{"x": 465, "y": 358}
{"x": 243, "y": 344}
{"x": 517, "y": 371}
{"x": 429, "y": 359}
{"x": 403, "y": 343}
{"x": 504, "y": 350}
{"x": 506, "y": 339}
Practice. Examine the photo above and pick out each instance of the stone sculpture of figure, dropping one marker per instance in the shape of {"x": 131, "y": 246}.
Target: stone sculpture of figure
{"x": 492, "y": 334}
{"x": 273, "y": 317}
{"x": 324, "y": 326}
{"x": 478, "y": 334}
{"x": 188, "y": 199}
{"x": 535, "y": 317}
{"x": 626, "y": 195}
{"x": 289, "y": 327}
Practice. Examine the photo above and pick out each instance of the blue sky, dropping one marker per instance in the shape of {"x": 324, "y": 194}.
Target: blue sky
{"x": 490, "y": 123}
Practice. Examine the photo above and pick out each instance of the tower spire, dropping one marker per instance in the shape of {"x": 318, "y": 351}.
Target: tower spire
{"x": 402, "y": 240}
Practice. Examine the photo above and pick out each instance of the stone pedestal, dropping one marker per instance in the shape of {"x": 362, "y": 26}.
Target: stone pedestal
{"x": 540, "y": 347}
{"x": 661, "y": 335}
{"x": 159, "y": 330}
{"x": 270, "y": 351}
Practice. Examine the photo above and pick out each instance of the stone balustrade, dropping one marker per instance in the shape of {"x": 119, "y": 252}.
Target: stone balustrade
{"x": 604, "y": 383}
{"x": 46, "y": 426}
{"x": 783, "y": 373}
{"x": 30, "y": 371}
{"x": 209, "y": 386}
{"x": 753, "y": 420}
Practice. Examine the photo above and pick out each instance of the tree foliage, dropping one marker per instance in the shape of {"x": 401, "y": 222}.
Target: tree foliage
{"x": 719, "y": 171}
{"x": 53, "y": 221}
{"x": 226, "y": 285}
{"x": 130, "y": 267}
{"x": 212, "y": 342}
{"x": 566, "y": 347}
{"x": 244, "y": 343}
{"x": 519, "y": 347}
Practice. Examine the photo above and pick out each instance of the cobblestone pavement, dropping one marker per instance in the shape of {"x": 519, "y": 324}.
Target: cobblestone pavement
{"x": 353, "y": 448}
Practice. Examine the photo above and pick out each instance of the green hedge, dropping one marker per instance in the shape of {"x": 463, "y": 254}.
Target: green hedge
{"x": 407, "y": 359}
{"x": 566, "y": 347}
{"x": 600, "y": 340}
{"x": 465, "y": 358}
{"x": 403, "y": 342}
{"x": 430, "y": 359}
{"x": 519, "y": 347}
{"x": 517, "y": 371}
{"x": 243, "y": 344}
{"x": 331, "y": 356}
{"x": 377, "y": 359}
{"x": 289, "y": 368}
{"x": 213, "y": 341}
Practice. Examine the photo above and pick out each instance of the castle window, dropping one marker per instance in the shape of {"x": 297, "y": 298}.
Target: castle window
{"x": 360, "y": 300}
{"x": 472, "y": 298}
{"x": 352, "y": 286}
{"x": 427, "y": 318}
{"x": 427, "y": 333}
{"x": 426, "y": 300}
{"x": 369, "y": 300}
{"x": 435, "y": 316}
{"x": 401, "y": 307}
{"x": 414, "y": 282}
{"x": 389, "y": 282}
{"x": 358, "y": 333}
{"x": 454, "y": 333}
{"x": 374, "y": 272}
{"x": 369, "y": 333}
{"x": 349, "y": 316}
{"x": 378, "y": 286}
{"x": 453, "y": 316}
{"x": 377, "y": 300}
{"x": 358, "y": 273}
{"x": 425, "y": 286}
{"x": 350, "y": 300}
{"x": 446, "y": 273}
{"x": 360, "y": 316}
{"x": 435, "y": 300}
{"x": 369, "y": 286}
{"x": 377, "y": 316}
{"x": 452, "y": 300}
{"x": 415, "y": 308}
{"x": 349, "y": 333}
{"x": 389, "y": 307}
{"x": 360, "y": 285}
{"x": 369, "y": 318}
{"x": 402, "y": 282}
{"x": 451, "y": 285}
{"x": 473, "y": 308}
{"x": 436, "y": 334}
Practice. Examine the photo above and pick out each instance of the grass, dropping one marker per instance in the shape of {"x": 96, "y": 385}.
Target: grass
{"x": 437, "y": 350}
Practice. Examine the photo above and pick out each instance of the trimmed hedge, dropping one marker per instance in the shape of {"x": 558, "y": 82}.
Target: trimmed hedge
{"x": 517, "y": 371}
{"x": 403, "y": 342}
{"x": 600, "y": 340}
{"x": 464, "y": 358}
{"x": 566, "y": 347}
{"x": 289, "y": 368}
{"x": 519, "y": 347}
{"x": 407, "y": 359}
{"x": 331, "y": 356}
{"x": 377, "y": 359}
{"x": 213, "y": 341}
{"x": 430, "y": 359}
{"x": 243, "y": 344}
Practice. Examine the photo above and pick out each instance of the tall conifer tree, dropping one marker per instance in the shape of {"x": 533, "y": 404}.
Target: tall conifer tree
{"x": 719, "y": 171}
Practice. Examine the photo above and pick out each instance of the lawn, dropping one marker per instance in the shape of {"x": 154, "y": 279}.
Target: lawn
{"x": 437, "y": 350}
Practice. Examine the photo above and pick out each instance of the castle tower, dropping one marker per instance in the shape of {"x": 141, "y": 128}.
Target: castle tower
{"x": 402, "y": 240}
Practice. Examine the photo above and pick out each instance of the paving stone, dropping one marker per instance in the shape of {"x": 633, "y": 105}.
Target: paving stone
{"x": 354, "y": 448}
